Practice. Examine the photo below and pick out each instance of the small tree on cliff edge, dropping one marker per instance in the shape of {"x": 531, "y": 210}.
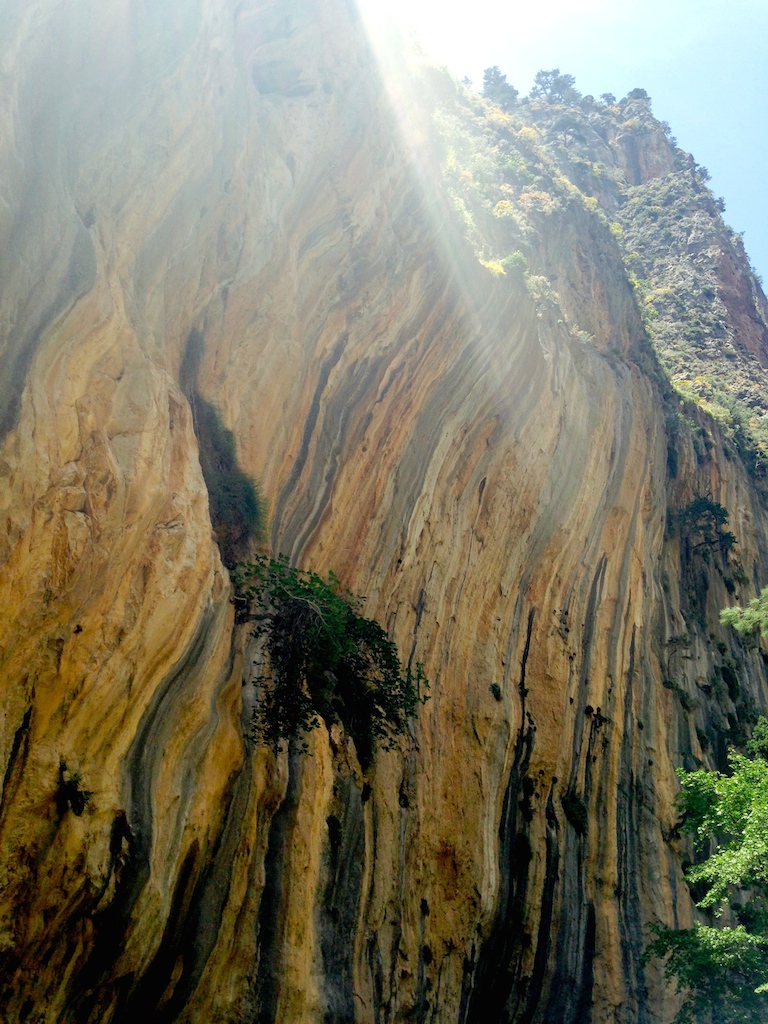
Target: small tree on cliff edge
{"x": 555, "y": 87}
{"x": 497, "y": 89}
{"x": 327, "y": 661}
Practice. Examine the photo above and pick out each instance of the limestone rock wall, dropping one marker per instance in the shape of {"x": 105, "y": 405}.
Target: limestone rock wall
{"x": 494, "y": 483}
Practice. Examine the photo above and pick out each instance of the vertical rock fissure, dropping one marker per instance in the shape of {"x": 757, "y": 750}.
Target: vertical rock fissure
{"x": 194, "y": 920}
{"x": 9, "y": 961}
{"x": 628, "y": 868}
{"x": 341, "y": 901}
{"x": 566, "y": 1002}
{"x": 496, "y": 974}
{"x": 543, "y": 938}
{"x": 16, "y": 763}
{"x": 270, "y": 920}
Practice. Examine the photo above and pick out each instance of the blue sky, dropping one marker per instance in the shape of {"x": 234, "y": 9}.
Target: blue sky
{"x": 703, "y": 62}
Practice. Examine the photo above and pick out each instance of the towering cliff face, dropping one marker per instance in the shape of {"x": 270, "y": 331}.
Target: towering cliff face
{"x": 493, "y": 459}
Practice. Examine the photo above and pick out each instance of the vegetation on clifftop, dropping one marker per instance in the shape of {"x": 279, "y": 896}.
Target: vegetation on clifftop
{"x": 514, "y": 167}
{"x": 675, "y": 245}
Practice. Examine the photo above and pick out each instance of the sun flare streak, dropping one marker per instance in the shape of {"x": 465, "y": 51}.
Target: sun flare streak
{"x": 400, "y": 60}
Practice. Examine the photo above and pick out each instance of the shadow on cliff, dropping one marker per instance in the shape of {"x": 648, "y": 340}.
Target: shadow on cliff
{"x": 237, "y": 510}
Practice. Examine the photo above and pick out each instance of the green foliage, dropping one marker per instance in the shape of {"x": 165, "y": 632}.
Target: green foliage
{"x": 327, "y": 661}
{"x": 555, "y": 87}
{"x": 515, "y": 262}
{"x": 702, "y": 520}
{"x": 718, "y": 969}
{"x": 497, "y": 89}
{"x": 749, "y": 620}
{"x": 567, "y": 128}
{"x": 724, "y": 971}
{"x": 758, "y": 745}
{"x": 694, "y": 330}
{"x": 733, "y": 807}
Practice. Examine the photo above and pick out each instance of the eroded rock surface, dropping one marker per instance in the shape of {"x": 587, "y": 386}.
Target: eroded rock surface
{"x": 493, "y": 479}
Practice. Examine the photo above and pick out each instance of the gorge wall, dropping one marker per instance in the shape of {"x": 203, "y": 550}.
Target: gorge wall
{"x": 494, "y": 459}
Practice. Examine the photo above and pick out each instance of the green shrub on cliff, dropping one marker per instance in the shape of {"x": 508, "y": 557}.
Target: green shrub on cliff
{"x": 752, "y": 619}
{"x": 497, "y": 89}
{"x": 680, "y": 252}
{"x": 326, "y": 660}
{"x": 724, "y": 971}
{"x": 702, "y": 522}
{"x": 555, "y": 87}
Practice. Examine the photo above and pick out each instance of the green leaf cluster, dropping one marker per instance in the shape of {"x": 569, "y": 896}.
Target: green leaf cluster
{"x": 724, "y": 971}
{"x": 734, "y": 808}
{"x": 703, "y": 520}
{"x": 718, "y": 969}
{"x": 749, "y": 620}
{"x": 555, "y": 87}
{"x": 326, "y": 660}
{"x": 498, "y": 90}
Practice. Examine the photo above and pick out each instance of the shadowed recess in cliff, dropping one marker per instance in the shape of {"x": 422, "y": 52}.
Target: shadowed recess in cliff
{"x": 237, "y": 509}
{"x": 16, "y": 761}
{"x": 628, "y": 846}
{"x": 341, "y": 900}
{"x": 543, "y": 939}
{"x": 270, "y": 923}
{"x": 570, "y": 990}
{"x": 9, "y": 961}
{"x": 571, "y": 996}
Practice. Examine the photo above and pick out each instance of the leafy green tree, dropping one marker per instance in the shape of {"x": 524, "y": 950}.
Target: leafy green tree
{"x": 326, "y": 661}
{"x": 555, "y": 87}
{"x": 703, "y": 521}
{"x": 720, "y": 971}
{"x": 567, "y": 129}
{"x": 497, "y": 89}
{"x": 724, "y": 971}
{"x": 749, "y": 620}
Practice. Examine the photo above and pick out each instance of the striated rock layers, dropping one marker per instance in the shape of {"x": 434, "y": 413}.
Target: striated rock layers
{"x": 492, "y": 477}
